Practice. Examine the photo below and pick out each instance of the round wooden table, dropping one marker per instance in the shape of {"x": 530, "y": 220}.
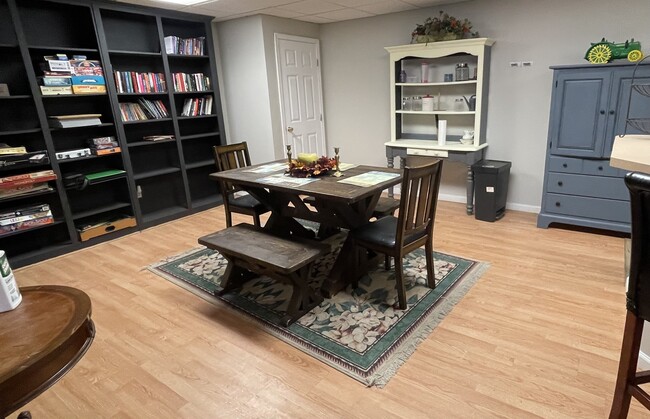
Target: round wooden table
{"x": 40, "y": 340}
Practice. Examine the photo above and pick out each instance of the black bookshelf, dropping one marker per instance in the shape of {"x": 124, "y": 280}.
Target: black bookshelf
{"x": 162, "y": 180}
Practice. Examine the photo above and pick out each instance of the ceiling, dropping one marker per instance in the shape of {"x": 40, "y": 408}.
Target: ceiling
{"x": 316, "y": 11}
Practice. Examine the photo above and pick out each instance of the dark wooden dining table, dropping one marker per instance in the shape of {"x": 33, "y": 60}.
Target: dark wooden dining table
{"x": 336, "y": 205}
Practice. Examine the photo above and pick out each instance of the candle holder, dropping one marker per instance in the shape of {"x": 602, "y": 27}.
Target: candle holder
{"x": 289, "y": 154}
{"x": 337, "y": 159}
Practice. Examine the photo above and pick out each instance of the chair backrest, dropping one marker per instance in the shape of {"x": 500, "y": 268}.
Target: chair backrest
{"x": 418, "y": 201}
{"x": 231, "y": 156}
{"x": 638, "y": 294}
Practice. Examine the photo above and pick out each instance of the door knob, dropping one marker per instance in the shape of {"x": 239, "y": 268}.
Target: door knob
{"x": 290, "y": 129}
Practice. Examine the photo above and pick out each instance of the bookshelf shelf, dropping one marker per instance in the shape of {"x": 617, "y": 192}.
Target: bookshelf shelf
{"x": 202, "y": 92}
{"x": 27, "y": 230}
{"x": 189, "y": 57}
{"x": 154, "y": 173}
{"x": 146, "y": 121}
{"x": 148, "y": 143}
{"x": 15, "y": 97}
{"x": 18, "y": 198}
{"x": 142, "y": 94}
{"x": 93, "y": 156}
{"x": 20, "y": 131}
{"x": 162, "y": 214}
{"x": 4, "y": 45}
{"x": 203, "y": 135}
{"x": 208, "y": 201}
{"x": 135, "y": 53}
{"x": 61, "y": 48}
{"x": 100, "y": 210}
{"x": 105, "y": 124}
{"x": 74, "y": 96}
{"x": 196, "y": 117}
{"x": 198, "y": 164}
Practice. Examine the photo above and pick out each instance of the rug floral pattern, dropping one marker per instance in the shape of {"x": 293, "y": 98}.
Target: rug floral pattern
{"x": 357, "y": 331}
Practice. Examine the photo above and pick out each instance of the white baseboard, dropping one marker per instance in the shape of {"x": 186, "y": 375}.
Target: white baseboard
{"x": 644, "y": 361}
{"x": 510, "y": 205}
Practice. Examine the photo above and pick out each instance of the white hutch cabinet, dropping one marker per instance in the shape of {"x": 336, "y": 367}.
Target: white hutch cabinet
{"x": 420, "y": 71}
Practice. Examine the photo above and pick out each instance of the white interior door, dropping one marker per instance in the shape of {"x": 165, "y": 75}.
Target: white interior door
{"x": 301, "y": 95}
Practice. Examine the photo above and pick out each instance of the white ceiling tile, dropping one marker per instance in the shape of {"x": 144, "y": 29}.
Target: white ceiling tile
{"x": 316, "y": 11}
{"x": 354, "y": 3}
{"x": 315, "y": 19}
{"x": 311, "y": 7}
{"x": 388, "y": 6}
{"x": 276, "y": 11}
{"x": 345, "y": 14}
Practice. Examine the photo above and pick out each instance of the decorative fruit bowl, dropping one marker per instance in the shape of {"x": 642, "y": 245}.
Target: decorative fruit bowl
{"x": 310, "y": 165}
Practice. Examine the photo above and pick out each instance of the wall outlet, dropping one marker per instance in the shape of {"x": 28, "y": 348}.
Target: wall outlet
{"x": 526, "y": 63}
{"x": 515, "y": 63}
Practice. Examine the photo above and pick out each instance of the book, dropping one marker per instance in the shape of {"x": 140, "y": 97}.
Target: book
{"x": 26, "y": 179}
{"x": 12, "y": 150}
{"x": 106, "y": 174}
{"x": 55, "y": 90}
{"x": 25, "y": 225}
{"x": 25, "y": 190}
{"x": 71, "y": 121}
{"x": 158, "y": 137}
{"x": 25, "y": 159}
{"x": 20, "y": 212}
{"x": 105, "y": 151}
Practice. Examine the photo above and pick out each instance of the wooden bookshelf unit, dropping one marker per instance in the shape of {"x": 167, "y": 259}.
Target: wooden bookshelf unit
{"x": 161, "y": 180}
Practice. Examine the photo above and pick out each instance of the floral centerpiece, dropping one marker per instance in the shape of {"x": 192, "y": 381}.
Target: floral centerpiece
{"x": 308, "y": 165}
{"x": 442, "y": 28}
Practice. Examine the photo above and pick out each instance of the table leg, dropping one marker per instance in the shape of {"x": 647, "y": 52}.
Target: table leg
{"x": 470, "y": 190}
{"x": 390, "y": 160}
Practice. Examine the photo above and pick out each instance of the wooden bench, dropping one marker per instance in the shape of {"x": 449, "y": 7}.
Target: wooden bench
{"x": 249, "y": 250}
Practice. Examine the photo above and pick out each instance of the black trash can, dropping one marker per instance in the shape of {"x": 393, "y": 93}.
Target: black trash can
{"x": 490, "y": 189}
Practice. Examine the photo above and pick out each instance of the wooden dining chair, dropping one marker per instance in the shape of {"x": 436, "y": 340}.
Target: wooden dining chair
{"x": 413, "y": 227}
{"x": 638, "y": 301}
{"x": 233, "y": 156}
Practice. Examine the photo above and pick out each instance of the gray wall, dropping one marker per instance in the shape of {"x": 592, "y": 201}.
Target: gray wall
{"x": 550, "y": 32}
{"x": 356, "y": 85}
{"x": 248, "y": 76}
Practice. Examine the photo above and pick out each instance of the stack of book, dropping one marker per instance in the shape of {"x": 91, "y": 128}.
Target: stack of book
{"x": 143, "y": 110}
{"x": 197, "y": 106}
{"x": 188, "y": 46}
{"x": 25, "y": 218}
{"x": 102, "y": 146}
{"x": 197, "y": 82}
{"x": 73, "y": 121}
{"x": 133, "y": 82}
{"x": 57, "y": 75}
{"x": 15, "y": 157}
{"x": 161, "y": 137}
{"x": 62, "y": 76}
{"x": 26, "y": 184}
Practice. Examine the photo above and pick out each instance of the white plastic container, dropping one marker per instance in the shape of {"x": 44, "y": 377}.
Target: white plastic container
{"x": 427, "y": 103}
{"x": 10, "y": 296}
{"x": 442, "y": 132}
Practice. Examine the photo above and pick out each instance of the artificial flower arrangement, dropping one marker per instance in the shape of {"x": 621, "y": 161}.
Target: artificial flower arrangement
{"x": 442, "y": 28}
{"x": 309, "y": 165}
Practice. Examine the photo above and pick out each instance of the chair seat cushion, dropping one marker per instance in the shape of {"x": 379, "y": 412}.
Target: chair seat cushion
{"x": 381, "y": 232}
{"x": 385, "y": 206}
{"x": 246, "y": 201}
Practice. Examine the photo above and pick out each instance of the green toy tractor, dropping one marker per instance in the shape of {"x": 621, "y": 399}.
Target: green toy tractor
{"x": 604, "y": 51}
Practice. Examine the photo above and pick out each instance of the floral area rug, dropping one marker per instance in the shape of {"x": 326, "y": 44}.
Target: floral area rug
{"x": 357, "y": 331}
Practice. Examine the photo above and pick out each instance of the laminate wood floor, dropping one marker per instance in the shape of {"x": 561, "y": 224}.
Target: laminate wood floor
{"x": 539, "y": 335}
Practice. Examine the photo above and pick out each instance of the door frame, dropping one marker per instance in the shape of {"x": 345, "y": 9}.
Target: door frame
{"x": 277, "y": 37}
